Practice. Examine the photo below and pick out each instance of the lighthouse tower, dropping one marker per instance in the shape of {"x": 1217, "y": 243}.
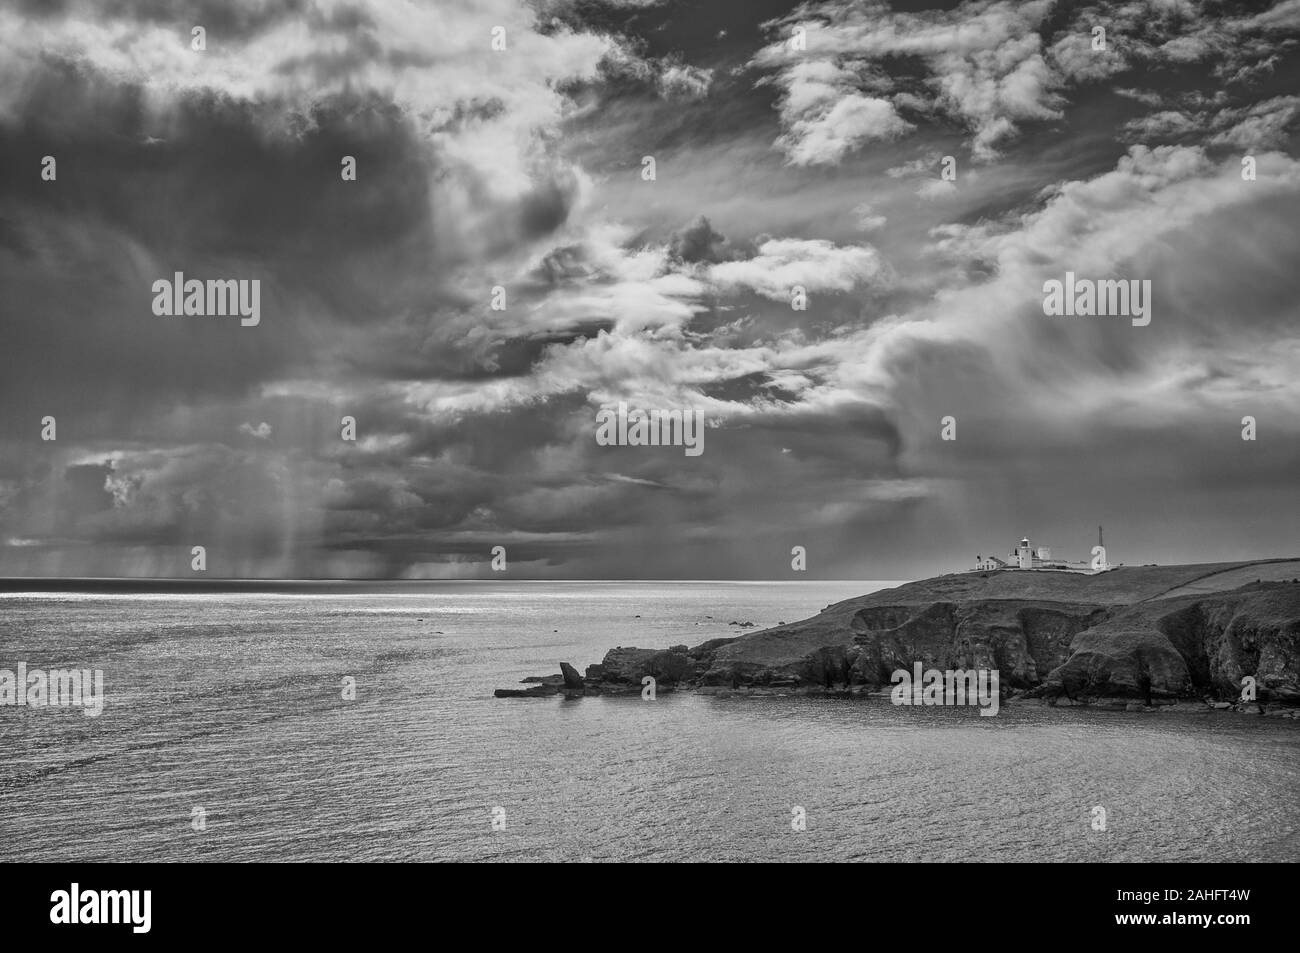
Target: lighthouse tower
{"x": 1025, "y": 554}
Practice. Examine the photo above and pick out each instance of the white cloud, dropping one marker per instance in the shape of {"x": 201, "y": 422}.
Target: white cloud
{"x": 816, "y": 265}
{"x": 986, "y": 64}
{"x": 1263, "y": 125}
{"x": 434, "y": 60}
{"x": 682, "y": 81}
{"x": 868, "y": 220}
{"x": 984, "y": 67}
{"x": 824, "y": 137}
{"x": 1166, "y": 124}
{"x": 1282, "y": 16}
{"x": 262, "y": 431}
{"x": 936, "y": 189}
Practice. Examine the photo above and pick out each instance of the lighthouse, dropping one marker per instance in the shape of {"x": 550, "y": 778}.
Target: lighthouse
{"x": 1025, "y": 555}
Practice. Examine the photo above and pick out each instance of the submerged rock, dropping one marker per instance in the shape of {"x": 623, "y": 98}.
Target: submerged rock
{"x": 536, "y": 691}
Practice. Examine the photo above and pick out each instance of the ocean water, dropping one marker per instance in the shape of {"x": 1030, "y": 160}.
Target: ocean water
{"x": 232, "y": 703}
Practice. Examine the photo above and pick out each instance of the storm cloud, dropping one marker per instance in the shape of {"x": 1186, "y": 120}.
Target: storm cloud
{"x": 843, "y": 244}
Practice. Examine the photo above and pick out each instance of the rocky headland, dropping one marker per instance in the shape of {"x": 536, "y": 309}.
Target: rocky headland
{"x": 1136, "y": 638}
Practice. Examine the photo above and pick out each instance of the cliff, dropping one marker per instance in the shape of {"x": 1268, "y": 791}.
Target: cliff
{"x": 1133, "y": 636}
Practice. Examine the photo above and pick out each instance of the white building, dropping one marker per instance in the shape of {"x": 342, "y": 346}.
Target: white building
{"x": 1025, "y": 556}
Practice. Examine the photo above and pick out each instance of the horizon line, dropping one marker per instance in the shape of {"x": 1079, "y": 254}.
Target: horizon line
{"x": 388, "y": 579}
{"x": 371, "y": 580}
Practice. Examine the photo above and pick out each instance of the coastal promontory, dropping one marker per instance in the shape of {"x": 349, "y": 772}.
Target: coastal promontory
{"x": 1135, "y": 636}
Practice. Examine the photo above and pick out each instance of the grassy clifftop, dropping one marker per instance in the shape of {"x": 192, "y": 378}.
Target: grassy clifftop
{"x": 1123, "y": 586}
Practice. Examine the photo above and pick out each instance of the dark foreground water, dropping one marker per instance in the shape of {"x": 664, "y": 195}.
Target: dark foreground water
{"x": 232, "y": 703}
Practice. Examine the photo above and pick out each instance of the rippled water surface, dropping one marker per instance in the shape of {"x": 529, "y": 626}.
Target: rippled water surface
{"x": 233, "y": 703}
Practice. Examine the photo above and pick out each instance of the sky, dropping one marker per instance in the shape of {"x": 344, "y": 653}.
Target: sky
{"x": 917, "y": 172}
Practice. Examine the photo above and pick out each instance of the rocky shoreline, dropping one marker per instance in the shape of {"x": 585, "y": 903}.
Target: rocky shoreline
{"x": 543, "y": 686}
{"x": 1173, "y": 638}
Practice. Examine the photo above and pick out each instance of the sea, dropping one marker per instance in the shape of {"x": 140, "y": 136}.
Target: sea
{"x": 360, "y": 725}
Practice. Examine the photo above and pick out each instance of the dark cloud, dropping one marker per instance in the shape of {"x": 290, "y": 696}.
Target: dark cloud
{"x": 86, "y": 494}
{"x": 698, "y": 241}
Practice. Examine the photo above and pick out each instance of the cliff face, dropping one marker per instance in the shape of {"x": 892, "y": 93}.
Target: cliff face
{"x": 1024, "y": 640}
{"x": 1141, "y": 633}
{"x": 1191, "y": 646}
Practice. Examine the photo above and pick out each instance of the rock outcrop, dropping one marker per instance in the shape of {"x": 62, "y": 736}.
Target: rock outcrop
{"x": 626, "y": 666}
{"x": 571, "y": 677}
